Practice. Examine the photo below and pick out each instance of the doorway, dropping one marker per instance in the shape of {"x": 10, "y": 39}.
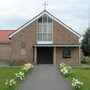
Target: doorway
{"x": 44, "y": 55}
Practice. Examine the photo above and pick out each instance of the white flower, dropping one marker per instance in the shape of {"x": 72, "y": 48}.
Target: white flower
{"x": 14, "y": 82}
{"x": 6, "y": 82}
{"x": 65, "y": 70}
{"x": 20, "y": 75}
{"x": 62, "y": 65}
{"x": 76, "y": 83}
{"x": 11, "y": 82}
{"x": 27, "y": 67}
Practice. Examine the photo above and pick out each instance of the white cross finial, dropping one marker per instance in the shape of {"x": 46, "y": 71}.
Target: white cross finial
{"x": 45, "y": 4}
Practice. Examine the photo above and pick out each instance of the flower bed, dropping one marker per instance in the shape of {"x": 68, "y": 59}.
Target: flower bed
{"x": 19, "y": 76}
{"x": 10, "y": 84}
{"x": 77, "y": 84}
{"x": 26, "y": 67}
{"x": 67, "y": 71}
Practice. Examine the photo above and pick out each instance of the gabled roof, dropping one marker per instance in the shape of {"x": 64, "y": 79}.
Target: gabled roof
{"x": 4, "y": 36}
{"x": 51, "y": 16}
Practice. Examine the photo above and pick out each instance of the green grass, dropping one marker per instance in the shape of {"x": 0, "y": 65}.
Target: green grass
{"x": 86, "y": 60}
{"x": 83, "y": 76}
{"x": 7, "y": 73}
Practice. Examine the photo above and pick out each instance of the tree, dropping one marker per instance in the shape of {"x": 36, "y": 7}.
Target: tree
{"x": 86, "y": 43}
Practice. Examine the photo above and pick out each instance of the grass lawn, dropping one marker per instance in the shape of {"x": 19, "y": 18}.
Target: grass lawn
{"x": 86, "y": 60}
{"x": 83, "y": 76}
{"x": 7, "y": 73}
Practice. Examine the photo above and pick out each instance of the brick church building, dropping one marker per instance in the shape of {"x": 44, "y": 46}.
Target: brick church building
{"x": 43, "y": 40}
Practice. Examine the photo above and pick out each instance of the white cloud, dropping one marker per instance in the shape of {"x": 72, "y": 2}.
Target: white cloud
{"x": 74, "y": 13}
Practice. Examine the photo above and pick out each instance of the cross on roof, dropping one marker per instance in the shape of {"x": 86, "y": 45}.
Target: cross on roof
{"x": 45, "y": 4}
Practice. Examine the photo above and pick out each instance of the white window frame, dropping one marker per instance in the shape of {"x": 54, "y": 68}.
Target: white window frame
{"x": 45, "y": 42}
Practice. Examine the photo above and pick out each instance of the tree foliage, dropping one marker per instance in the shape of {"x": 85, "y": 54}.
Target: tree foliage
{"x": 86, "y": 43}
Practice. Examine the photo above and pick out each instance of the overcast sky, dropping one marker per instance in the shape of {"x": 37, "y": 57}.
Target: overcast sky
{"x": 74, "y": 13}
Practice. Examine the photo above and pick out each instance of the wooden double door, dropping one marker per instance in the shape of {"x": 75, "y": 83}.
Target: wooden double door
{"x": 44, "y": 55}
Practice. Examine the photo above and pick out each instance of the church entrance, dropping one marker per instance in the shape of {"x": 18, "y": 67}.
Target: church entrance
{"x": 44, "y": 55}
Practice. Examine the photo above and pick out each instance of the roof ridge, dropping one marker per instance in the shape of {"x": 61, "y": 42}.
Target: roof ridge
{"x": 38, "y": 16}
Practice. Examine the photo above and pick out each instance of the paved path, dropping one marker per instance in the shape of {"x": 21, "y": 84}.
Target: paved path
{"x": 45, "y": 77}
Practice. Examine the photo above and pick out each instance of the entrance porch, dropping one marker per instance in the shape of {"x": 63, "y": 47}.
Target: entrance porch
{"x": 53, "y": 54}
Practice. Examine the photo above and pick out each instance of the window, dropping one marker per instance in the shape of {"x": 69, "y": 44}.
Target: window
{"x": 45, "y": 29}
{"x": 66, "y": 53}
{"x": 23, "y": 48}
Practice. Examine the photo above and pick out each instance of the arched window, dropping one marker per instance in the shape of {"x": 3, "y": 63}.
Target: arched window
{"x": 45, "y": 29}
{"x": 66, "y": 53}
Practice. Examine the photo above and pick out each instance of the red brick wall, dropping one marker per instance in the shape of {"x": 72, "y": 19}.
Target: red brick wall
{"x": 63, "y": 36}
{"x": 5, "y": 51}
{"x": 74, "y": 60}
{"x": 27, "y": 35}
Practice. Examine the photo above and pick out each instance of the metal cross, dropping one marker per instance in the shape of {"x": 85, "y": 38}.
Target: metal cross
{"x": 45, "y": 4}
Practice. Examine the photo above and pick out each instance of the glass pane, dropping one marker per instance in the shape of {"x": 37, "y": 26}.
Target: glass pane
{"x": 50, "y": 27}
{"x": 49, "y": 37}
{"x": 44, "y": 18}
{"x": 40, "y": 20}
{"x": 39, "y": 27}
{"x": 45, "y": 27}
{"x": 39, "y": 36}
{"x": 66, "y": 53}
{"x": 49, "y": 20}
{"x": 44, "y": 36}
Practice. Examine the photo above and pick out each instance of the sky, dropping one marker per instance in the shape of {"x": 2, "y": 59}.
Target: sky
{"x": 74, "y": 13}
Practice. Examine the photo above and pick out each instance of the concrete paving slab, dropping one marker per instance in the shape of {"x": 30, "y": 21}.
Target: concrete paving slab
{"x": 45, "y": 77}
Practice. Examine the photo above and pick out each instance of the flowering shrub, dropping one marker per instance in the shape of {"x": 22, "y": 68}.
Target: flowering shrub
{"x": 65, "y": 70}
{"x": 10, "y": 84}
{"x": 62, "y": 65}
{"x": 77, "y": 84}
{"x": 26, "y": 67}
{"x": 20, "y": 75}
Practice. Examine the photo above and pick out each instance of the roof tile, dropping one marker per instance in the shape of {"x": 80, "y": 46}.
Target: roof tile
{"x": 4, "y": 35}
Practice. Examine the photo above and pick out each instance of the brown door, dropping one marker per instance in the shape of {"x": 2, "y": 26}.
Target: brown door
{"x": 44, "y": 55}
